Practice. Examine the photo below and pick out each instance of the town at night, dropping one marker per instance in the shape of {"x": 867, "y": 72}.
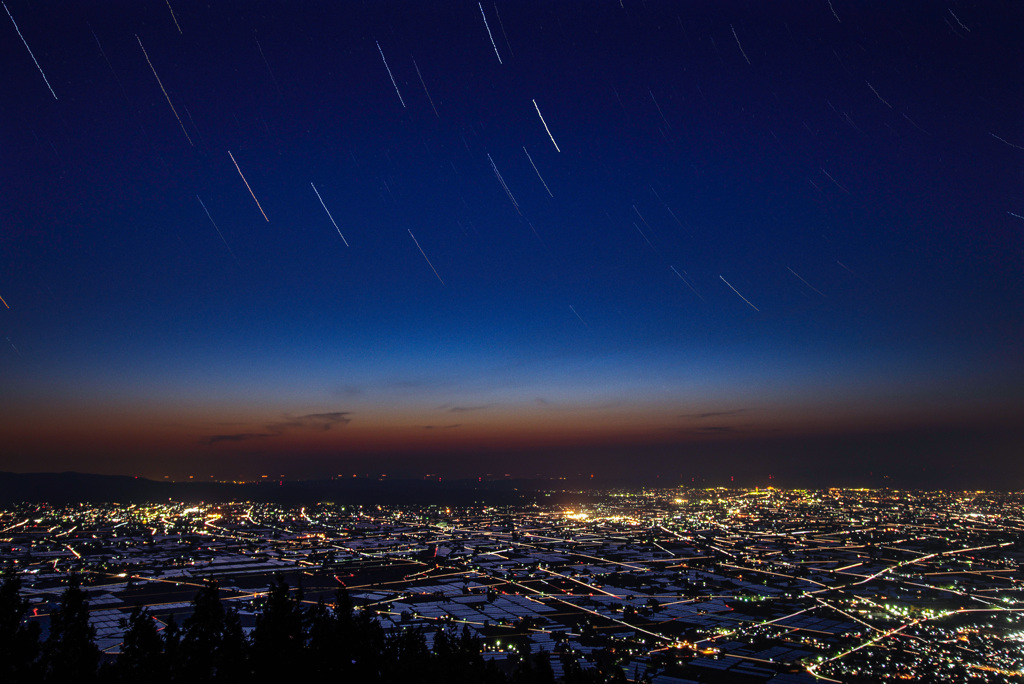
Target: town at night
{"x": 653, "y": 585}
{"x": 511, "y": 341}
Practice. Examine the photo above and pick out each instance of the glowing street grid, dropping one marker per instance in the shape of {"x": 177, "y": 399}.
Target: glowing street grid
{"x": 674, "y": 585}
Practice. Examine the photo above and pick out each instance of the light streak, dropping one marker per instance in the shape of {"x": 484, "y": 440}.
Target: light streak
{"x": 806, "y": 283}
{"x": 655, "y": 100}
{"x": 738, "y": 44}
{"x": 959, "y": 22}
{"x": 537, "y": 172}
{"x": 30, "y": 52}
{"x": 739, "y": 295}
{"x": 545, "y": 125}
{"x": 834, "y": 12}
{"x": 489, "y": 32}
{"x": 160, "y": 83}
{"x": 838, "y": 185}
{"x": 877, "y": 95}
{"x": 329, "y": 213}
{"x": 269, "y": 70}
{"x": 502, "y": 181}
{"x": 390, "y": 74}
{"x": 1003, "y": 140}
{"x": 216, "y": 228}
{"x": 502, "y": 25}
{"x": 649, "y": 243}
{"x": 687, "y": 283}
{"x": 247, "y": 185}
{"x": 425, "y": 256}
{"x": 172, "y": 15}
{"x": 429, "y": 99}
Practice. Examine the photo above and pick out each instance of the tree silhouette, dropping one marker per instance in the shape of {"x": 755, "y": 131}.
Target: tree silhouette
{"x": 323, "y": 641}
{"x": 19, "y": 641}
{"x": 69, "y": 652}
{"x": 278, "y": 639}
{"x": 358, "y": 648}
{"x": 457, "y": 659}
{"x": 142, "y": 652}
{"x": 233, "y": 659}
{"x": 573, "y": 672}
{"x": 523, "y": 659}
{"x": 212, "y": 644}
{"x": 542, "y": 672}
{"x": 406, "y": 657}
{"x": 172, "y": 648}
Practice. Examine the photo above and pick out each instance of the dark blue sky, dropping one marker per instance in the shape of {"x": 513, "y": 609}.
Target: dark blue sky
{"x": 772, "y": 238}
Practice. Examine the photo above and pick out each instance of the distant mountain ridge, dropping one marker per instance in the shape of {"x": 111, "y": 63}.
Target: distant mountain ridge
{"x": 73, "y": 487}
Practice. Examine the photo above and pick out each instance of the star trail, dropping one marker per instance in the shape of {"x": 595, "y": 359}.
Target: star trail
{"x": 770, "y": 240}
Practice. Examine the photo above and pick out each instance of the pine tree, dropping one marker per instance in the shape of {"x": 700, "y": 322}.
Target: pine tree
{"x": 542, "y": 672}
{"x": 323, "y": 641}
{"x": 344, "y": 610}
{"x": 233, "y": 658}
{"x": 19, "y": 641}
{"x": 523, "y": 658}
{"x": 361, "y": 641}
{"x": 172, "y": 648}
{"x": 69, "y": 652}
{"x": 457, "y": 659}
{"x": 278, "y": 639}
{"x": 202, "y": 635}
{"x": 142, "y": 652}
{"x": 406, "y": 657}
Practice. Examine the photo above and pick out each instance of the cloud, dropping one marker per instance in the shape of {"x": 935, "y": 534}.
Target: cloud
{"x": 714, "y": 414}
{"x": 440, "y": 427}
{"x": 318, "y": 422}
{"x": 463, "y": 409}
{"x": 710, "y": 430}
{"x": 312, "y": 421}
{"x": 237, "y": 437}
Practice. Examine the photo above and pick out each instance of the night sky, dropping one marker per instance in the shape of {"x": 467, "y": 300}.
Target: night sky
{"x": 762, "y": 243}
